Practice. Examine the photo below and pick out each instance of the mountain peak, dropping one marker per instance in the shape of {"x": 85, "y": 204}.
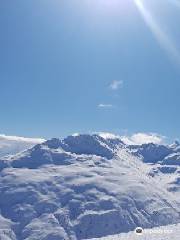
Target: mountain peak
{"x": 95, "y": 144}
{"x": 87, "y": 144}
{"x": 53, "y": 143}
{"x": 175, "y": 146}
{"x": 177, "y": 142}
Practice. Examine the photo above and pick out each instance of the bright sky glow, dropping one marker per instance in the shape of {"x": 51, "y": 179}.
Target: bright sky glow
{"x": 109, "y": 7}
{"x": 164, "y": 40}
{"x": 108, "y": 3}
{"x": 175, "y": 2}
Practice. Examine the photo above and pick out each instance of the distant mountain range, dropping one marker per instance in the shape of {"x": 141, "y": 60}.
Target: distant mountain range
{"x": 88, "y": 186}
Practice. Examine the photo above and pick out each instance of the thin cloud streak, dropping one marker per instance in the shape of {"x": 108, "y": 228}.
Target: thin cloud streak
{"x": 101, "y": 105}
{"x": 161, "y": 37}
{"x": 4, "y": 137}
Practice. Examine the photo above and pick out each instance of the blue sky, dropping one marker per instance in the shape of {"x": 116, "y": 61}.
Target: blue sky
{"x": 89, "y": 66}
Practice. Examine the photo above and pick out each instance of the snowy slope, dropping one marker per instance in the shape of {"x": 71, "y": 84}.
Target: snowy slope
{"x": 82, "y": 187}
{"x": 163, "y": 162}
{"x": 169, "y": 232}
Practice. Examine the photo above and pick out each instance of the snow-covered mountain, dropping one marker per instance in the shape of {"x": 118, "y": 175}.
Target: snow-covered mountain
{"x": 87, "y": 186}
{"x": 12, "y": 144}
{"x": 168, "y": 232}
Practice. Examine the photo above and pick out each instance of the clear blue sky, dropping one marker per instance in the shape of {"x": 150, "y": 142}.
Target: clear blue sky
{"x": 89, "y": 65}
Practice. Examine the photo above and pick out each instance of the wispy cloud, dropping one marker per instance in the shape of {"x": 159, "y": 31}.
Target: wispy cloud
{"x": 14, "y": 144}
{"x": 102, "y": 105}
{"x": 164, "y": 40}
{"x": 136, "y": 138}
{"x": 115, "y": 85}
{"x": 4, "y": 137}
{"x": 143, "y": 138}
